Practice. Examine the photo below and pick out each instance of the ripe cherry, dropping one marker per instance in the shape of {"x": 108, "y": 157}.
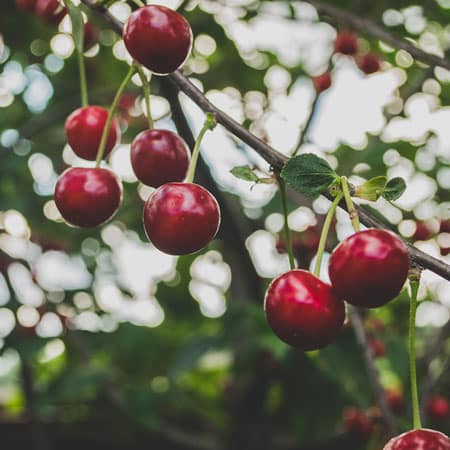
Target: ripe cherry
{"x": 87, "y": 197}
{"x": 159, "y": 38}
{"x": 303, "y": 311}
{"x": 322, "y": 82}
{"x": 84, "y": 128}
{"x": 395, "y": 400}
{"x": 378, "y": 347}
{"x": 90, "y": 36}
{"x": 438, "y": 408}
{"x": 159, "y": 156}
{"x": 369, "y": 63}
{"x": 181, "y": 218}
{"x": 346, "y": 43}
{"x": 422, "y": 439}
{"x": 50, "y": 11}
{"x": 369, "y": 268}
{"x": 357, "y": 422}
{"x": 26, "y": 5}
{"x": 422, "y": 232}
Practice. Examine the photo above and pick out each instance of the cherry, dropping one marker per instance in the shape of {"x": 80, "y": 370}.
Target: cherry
{"x": 87, "y": 197}
{"x": 438, "y": 408}
{"x": 90, "y": 36}
{"x": 422, "y": 232}
{"x": 357, "y": 422}
{"x": 378, "y": 348}
{"x": 84, "y": 128}
{"x": 444, "y": 251}
{"x": 181, "y": 218}
{"x": 422, "y": 439}
{"x": 346, "y": 43}
{"x": 369, "y": 63}
{"x": 26, "y": 5}
{"x": 159, "y": 38}
{"x": 322, "y": 82}
{"x": 159, "y": 156}
{"x": 395, "y": 400}
{"x": 50, "y": 11}
{"x": 444, "y": 226}
{"x": 369, "y": 268}
{"x": 303, "y": 311}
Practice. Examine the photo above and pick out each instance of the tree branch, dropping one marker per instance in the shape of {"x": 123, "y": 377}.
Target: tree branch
{"x": 272, "y": 156}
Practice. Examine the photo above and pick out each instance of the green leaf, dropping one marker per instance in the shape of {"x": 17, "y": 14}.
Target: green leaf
{"x": 394, "y": 189}
{"x": 244, "y": 173}
{"x": 372, "y": 189}
{"x": 309, "y": 174}
{"x": 77, "y": 25}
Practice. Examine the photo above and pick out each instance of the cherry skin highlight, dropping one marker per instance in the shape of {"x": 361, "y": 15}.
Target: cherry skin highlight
{"x": 346, "y": 43}
{"x": 87, "y": 197}
{"x": 303, "y": 311}
{"x": 84, "y": 128}
{"x": 50, "y": 11}
{"x": 159, "y": 157}
{"x": 181, "y": 218}
{"x": 369, "y": 268}
{"x": 422, "y": 439}
{"x": 159, "y": 38}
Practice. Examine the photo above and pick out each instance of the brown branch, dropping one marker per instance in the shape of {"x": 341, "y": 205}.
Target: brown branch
{"x": 272, "y": 156}
{"x": 374, "y": 30}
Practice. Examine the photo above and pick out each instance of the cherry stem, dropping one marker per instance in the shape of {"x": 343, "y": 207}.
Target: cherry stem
{"x": 146, "y": 89}
{"x": 414, "y": 280}
{"x": 83, "y": 82}
{"x": 287, "y": 231}
{"x": 353, "y": 214}
{"x": 139, "y": 3}
{"x": 210, "y": 123}
{"x": 324, "y": 233}
{"x": 112, "y": 109}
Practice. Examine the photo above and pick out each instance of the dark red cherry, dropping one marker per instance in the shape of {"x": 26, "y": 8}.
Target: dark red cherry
{"x": 422, "y": 232}
{"x": 159, "y": 157}
{"x": 356, "y": 421}
{"x": 303, "y": 311}
{"x": 346, "y": 43}
{"x": 378, "y": 347}
{"x": 87, "y": 197}
{"x": 444, "y": 226}
{"x": 438, "y": 408}
{"x": 158, "y": 37}
{"x": 395, "y": 400}
{"x": 369, "y": 63}
{"x": 90, "y": 36}
{"x": 422, "y": 439}
{"x": 322, "y": 82}
{"x": 50, "y": 11}
{"x": 181, "y": 218}
{"x": 84, "y": 128}
{"x": 26, "y": 5}
{"x": 369, "y": 268}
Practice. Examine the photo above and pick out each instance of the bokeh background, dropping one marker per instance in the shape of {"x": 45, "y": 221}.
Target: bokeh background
{"x": 105, "y": 342}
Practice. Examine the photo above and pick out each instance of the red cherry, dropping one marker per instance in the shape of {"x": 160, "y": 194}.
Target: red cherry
{"x": 422, "y": 439}
{"x": 444, "y": 226}
{"x": 159, "y": 157}
{"x": 84, "y": 128}
{"x": 90, "y": 36}
{"x": 369, "y": 63}
{"x": 303, "y": 311}
{"x": 369, "y": 268}
{"x": 346, "y": 43}
{"x": 87, "y": 197}
{"x": 26, "y": 5}
{"x": 181, "y": 218}
{"x": 159, "y": 38}
{"x": 357, "y": 422}
{"x": 422, "y": 232}
{"x": 50, "y": 11}
{"x": 444, "y": 251}
{"x": 378, "y": 348}
{"x": 438, "y": 408}
{"x": 322, "y": 82}
{"x": 395, "y": 400}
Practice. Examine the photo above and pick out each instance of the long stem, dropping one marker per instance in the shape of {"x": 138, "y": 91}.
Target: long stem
{"x": 414, "y": 286}
{"x": 287, "y": 231}
{"x": 146, "y": 89}
{"x": 324, "y": 233}
{"x": 83, "y": 82}
{"x": 112, "y": 109}
{"x": 353, "y": 214}
{"x": 209, "y": 124}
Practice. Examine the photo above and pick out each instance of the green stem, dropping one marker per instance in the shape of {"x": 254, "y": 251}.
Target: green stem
{"x": 209, "y": 124}
{"x": 139, "y": 3}
{"x": 146, "y": 89}
{"x": 287, "y": 231}
{"x": 414, "y": 286}
{"x": 112, "y": 109}
{"x": 324, "y": 233}
{"x": 353, "y": 214}
{"x": 83, "y": 82}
